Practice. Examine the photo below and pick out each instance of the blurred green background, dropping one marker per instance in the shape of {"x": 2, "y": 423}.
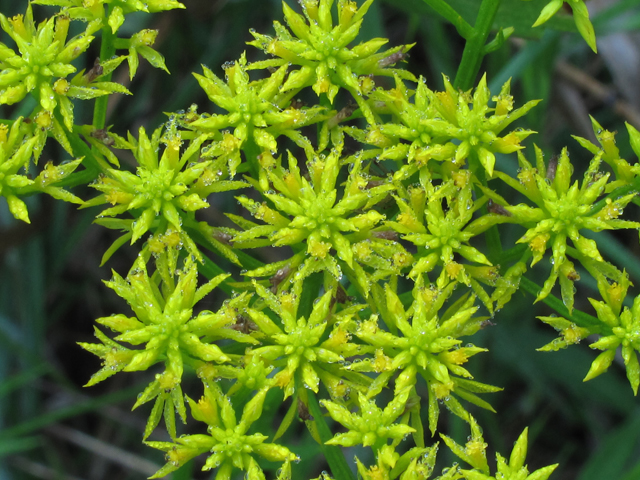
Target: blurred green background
{"x": 51, "y": 289}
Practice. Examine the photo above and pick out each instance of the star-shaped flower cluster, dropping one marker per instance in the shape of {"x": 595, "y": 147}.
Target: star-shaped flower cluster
{"x": 474, "y": 454}
{"x": 16, "y": 150}
{"x": 321, "y": 49}
{"x": 310, "y": 210}
{"x": 43, "y": 63}
{"x": 425, "y": 345}
{"x": 306, "y": 350}
{"x": 228, "y": 440}
{"x": 446, "y": 126}
{"x": 165, "y": 322}
{"x": 561, "y": 210}
{"x": 258, "y": 112}
{"x": 438, "y": 219}
{"x": 372, "y": 426}
{"x": 163, "y": 192}
{"x": 620, "y": 328}
{"x": 111, "y": 11}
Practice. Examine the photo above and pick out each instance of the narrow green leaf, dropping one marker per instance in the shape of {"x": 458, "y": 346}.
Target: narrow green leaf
{"x": 333, "y": 454}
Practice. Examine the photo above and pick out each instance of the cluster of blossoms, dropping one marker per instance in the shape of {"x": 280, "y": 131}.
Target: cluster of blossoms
{"x": 331, "y": 319}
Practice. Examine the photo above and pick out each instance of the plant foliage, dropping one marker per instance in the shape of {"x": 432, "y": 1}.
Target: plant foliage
{"x": 385, "y": 200}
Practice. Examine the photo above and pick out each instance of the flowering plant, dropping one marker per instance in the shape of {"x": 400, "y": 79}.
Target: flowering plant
{"x": 387, "y": 201}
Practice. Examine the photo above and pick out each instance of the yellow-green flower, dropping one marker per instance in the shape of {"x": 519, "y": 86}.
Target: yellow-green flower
{"x": 444, "y": 126}
{"x": 257, "y": 112}
{"x": 569, "y": 331}
{"x": 621, "y": 329}
{"x": 415, "y": 464}
{"x": 562, "y": 210}
{"x": 90, "y": 10}
{"x": 228, "y": 441}
{"x": 371, "y": 427}
{"x": 508, "y": 284}
{"x": 321, "y": 49}
{"x": 424, "y": 222}
{"x": 300, "y": 348}
{"x": 474, "y": 451}
{"x": 624, "y": 172}
{"x": 252, "y": 374}
{"x": 477, "y": 132}
{"x": 474, "y": 454}
{"x": 425, "y": 346}
{"x": 140, "y": 45}
{"x": 163, "y": 191}
{"x": 438, "y": 221}
{"x": 515, "y": 468}
{"x": 409, "y": 138}
{"x": 44, "y": 62}
{"x": 14, "y": 156}
{"x": 95, "y": 12}
{"x": 164, "y": 321}
{"x": 16, "y": 149}
{"x": 312, "y": 211}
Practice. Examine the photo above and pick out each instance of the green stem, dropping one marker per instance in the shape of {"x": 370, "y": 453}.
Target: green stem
{"x": 338, "y": 464}
{"x": 107, "y": 50}
{"x": 251, "y": 151}
{"x": 579, "y": 318}
{"x": 494, "y": 243}
{"x": 473, "y": 54}
{"x": 324, "y": 102}
{"x": 443, "y": 8}
{"x": 512, "y": 255}
{"x": 81, "y": 149}
{"x": 310, "y": 293}
{"x": 492, "y": 235}
{"x": 377, "y": 446}
{"x": 209, "y": 269}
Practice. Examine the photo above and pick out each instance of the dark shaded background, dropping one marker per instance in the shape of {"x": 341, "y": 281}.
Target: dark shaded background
{"x": 51, "y": 286}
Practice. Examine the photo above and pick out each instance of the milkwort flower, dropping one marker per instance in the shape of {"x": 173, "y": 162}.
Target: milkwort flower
{"x": 407, "y": 138}
{"x": 16, "y": 149}
{"x": 42, "y": 65}
{"x": 139, "y": 45}
{"x": 463, "y": 116}
{"x": 94, "y": 10}
{"x": 164, "y": 320}
{"x": 474, "y": 454}
{"x": 623, "y": 171}
{"x": 311, "y": 210}
{"x": 256, "y": 111}
{"x": 444, "y": 126}
{"x": 164, "y": 191}
{"x": 570, "y": 333}
{"x": 424, "y": 345}
{"x": 415, "y": 464}
{"x": 562, "y": 210}
{"x": 438, "y": 221}
{"x": 321, "y": 50}
{"x": 371, "y": 426}
{"x": 306, "y": 351}
{"x": 619, "y": 328}
{"x": 227, "y": 440}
